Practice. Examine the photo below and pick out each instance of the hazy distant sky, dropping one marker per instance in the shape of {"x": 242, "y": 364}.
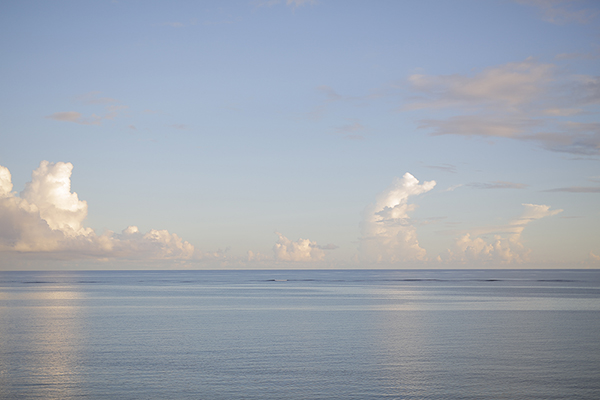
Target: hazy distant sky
{"x": 300, "y": 134}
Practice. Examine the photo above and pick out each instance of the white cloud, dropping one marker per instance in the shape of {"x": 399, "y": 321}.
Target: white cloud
{"x": 50, "y": 191}
{"x": 300, "y": 250}
{"x": 6, "y": 185}
{"x": 527, "y": 101}
{"x": 252, "y": 256}
{"x": 156, "y": 244}
{"x": 388, "y": 235}
{"x": 505, "y": 247}
{"x": 48, "y": 217}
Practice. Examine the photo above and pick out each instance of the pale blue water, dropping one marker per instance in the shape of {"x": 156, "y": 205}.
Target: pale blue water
{"x": 300, "y": 335}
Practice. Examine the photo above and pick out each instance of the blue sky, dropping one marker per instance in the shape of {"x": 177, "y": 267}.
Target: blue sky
{"x": 300, "y": 134}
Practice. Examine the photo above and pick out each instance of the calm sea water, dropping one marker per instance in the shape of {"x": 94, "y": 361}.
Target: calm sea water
{"x": 300, "y": 335}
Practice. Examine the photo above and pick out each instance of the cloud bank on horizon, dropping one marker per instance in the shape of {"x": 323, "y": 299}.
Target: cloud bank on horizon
{"x": 505, "y": 248}
{"x": 48, "y": 218}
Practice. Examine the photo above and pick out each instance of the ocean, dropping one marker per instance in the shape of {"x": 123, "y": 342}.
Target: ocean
{"x": 300, "y": 334}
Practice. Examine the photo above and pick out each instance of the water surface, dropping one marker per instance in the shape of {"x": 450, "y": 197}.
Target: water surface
{"x": 300, "y": 334}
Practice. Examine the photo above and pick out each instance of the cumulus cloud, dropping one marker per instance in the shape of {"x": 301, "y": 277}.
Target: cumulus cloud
{"x": 47, "y": 217}
{"x": 388, "y": 235}
{"x": 252, "y": 256}
{"x": 300, "y": 250}
{"x": 506, "y": 247}
{"x": 528, "y": 100}
{"x": 50, "y": 191}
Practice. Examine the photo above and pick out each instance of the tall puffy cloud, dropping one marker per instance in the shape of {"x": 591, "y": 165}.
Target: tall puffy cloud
{"x": 388, "y": 234}
{"x": 504, "y": 248}
{"x": 50, "y": 191}
{"x": 6, "y": 185}
{"x": 48, "y": 217}
{"x": 300, "y": 250}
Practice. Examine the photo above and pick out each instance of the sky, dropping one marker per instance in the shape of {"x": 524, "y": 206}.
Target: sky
{"x": 300, "y": 134}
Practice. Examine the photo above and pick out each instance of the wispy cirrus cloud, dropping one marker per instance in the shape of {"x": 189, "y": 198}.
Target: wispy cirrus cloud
{"x": 351, "y": 130}
{"x": 528, "y": 101}
{"x": 173, "y": 24}
{"x": 592, "y": 55}
{"x": 74, "y": 116}
{"x": 576, "y": 189}
{"x": 444, "y": 167}
{"x": 497, "y": 185}
{"x": 561, "y": 12}
{"x": 290, "y": 3}
{"x": 453, "y": 188}
{"x": 112, "y": 109}
{"x": 180, "y": 24}
{"x": 330, "y": 93}
{"x": 95, "y": 98}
